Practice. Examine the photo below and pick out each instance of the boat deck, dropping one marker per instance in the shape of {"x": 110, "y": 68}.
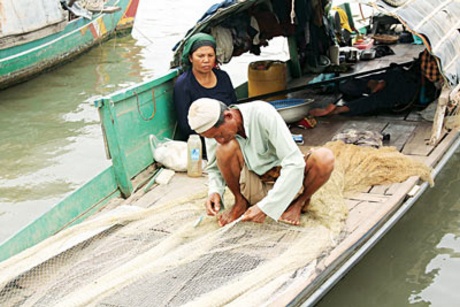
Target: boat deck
{"x": 369, "y": 209}
{"x": 143, "y": 251}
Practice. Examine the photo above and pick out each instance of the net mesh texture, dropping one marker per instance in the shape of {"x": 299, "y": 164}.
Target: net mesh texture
{"x": 162, "y": 256}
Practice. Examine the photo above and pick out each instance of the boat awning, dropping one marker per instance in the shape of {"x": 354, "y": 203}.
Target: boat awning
{"x": 214, "y": 16}
{"x": 438, "y": 24}
{"x": 19, "y": 19}
{"x": 436, "y": 21}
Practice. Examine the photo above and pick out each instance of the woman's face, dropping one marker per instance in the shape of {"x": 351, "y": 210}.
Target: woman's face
{"x": 203, "y": 59}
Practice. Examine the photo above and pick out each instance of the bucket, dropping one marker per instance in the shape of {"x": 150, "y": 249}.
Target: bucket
{"x": 266, "y": 77}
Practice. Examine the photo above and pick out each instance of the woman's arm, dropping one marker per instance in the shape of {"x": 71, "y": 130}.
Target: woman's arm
{"x": 182, "y": 101}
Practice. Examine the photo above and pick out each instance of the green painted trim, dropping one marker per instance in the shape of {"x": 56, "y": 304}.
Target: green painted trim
{"x": 242, "y": 90}
{"x": 138, "y": 88}
{"x": 295, "y": 67}
{"x": 126, "y": 135}
{"x": 109, "y": 123}
{"x": 22, "y": 62}
{"x": 72, "y": 210}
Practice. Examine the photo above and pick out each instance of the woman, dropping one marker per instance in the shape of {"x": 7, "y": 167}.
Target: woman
{"x": 201, "y": 79}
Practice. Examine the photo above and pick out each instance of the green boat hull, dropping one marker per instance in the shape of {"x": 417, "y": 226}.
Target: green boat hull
{"x": 128, "y": 118}
{"x": 21, "y": 62}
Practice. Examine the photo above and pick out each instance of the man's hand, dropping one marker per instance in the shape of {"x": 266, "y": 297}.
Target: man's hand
{"x": 213, "y": 204}
{"x": 254, "y": 214}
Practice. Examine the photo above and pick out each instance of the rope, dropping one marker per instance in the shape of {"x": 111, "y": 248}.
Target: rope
{"x": 139, "y": 107}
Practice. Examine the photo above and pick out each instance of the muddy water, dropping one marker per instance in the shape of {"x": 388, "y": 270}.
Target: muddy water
{"x": 51, "y": 143}
{"x": 418, "y": 261}
{"x": 50, "y": 137}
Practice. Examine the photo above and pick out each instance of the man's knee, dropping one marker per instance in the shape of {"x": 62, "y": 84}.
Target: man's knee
{"x": 321, "y": 161}
{"x": 228, "y": 151}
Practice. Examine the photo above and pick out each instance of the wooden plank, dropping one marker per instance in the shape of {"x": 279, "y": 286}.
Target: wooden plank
{"x": 328, "y": 127}
{"x": 399, "y": 133}
{"x": 109, "y": 125}
{"x": 364, "y": 124}
{"x": 396, "y": 187}
{"x": 367, "y": 225}
{"x": 359, "y": 214}
{"x": 351, "y": 203}
{"x": 379, "y": 189}
{"x": 441, "y": 148}
{"x": 322, "y": 133}
{"x": 374, "y": 198}
{"x": 415, "y": 116}
{"x": 179, "y": 187}
{"x": 418, "y": 140}
{"x": 438, "y": 124}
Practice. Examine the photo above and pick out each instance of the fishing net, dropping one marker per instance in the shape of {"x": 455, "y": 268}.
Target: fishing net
{"x": 164, "y": 255}
{"x": 94, "y": 5}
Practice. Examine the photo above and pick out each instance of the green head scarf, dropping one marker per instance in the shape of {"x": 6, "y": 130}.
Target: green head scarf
{"x": 193, "y": 43}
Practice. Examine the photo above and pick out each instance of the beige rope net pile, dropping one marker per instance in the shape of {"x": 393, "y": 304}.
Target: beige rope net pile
{"x": 161, "y": 257}
{"x": 94, "y": 5}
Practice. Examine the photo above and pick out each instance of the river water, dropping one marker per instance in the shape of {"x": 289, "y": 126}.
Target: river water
{"x": 51, "y": 143}
{"x": 418, "y": 260}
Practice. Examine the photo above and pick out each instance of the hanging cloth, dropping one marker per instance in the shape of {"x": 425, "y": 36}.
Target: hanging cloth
{"x": 343, "y": 18}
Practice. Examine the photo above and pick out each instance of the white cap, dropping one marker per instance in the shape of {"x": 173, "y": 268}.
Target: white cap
{"x": 204, "y": 114}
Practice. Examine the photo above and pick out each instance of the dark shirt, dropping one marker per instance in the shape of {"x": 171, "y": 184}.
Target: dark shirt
{"x": 401, "y": 88}
{"x": 187, "y": 90}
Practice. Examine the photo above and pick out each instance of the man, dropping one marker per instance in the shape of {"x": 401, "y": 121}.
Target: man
{"x": 249, "y": 146}
{"x": 393, "y": 91}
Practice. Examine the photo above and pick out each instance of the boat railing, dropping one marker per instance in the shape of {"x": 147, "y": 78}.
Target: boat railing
{"x": 129, "y": 117}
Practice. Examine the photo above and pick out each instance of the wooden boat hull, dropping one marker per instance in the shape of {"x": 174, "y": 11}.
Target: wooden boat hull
{"x": 131, "y": 115}
{"x": 128, "y": 118}
{"x": 22, "y": 62}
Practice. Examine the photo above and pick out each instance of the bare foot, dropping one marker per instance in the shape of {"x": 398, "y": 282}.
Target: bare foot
{"x": 305, "y": 206}
{"x": 230, "y": 215}
{"x": 291, "y": 215}
{"x": 341, "y": 109}
{"x": 376, "y": 86}
{"x": 323, "y": 111}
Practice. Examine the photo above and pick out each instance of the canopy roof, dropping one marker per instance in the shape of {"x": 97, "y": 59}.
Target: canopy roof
{"x": 25, "y": 20}
{"x": 435, "y": 21}
{"x": 23, "y": 16}
{"x": 214, "y": 16}
{"x": 438, "y": 21}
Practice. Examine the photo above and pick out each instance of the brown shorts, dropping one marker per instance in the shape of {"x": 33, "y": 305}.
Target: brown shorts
{"x": 255, "y": 187}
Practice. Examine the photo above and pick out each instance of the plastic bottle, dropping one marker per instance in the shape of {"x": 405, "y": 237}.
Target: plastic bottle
{"x": 194, "y": 156}
{"x": 334, "y": 51}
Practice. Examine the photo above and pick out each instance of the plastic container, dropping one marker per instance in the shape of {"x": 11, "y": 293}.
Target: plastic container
{"x": 364, "y": 44}
{"x": 334, "y": 54}
{"x": 292, "y": 109}
{"x": 194, "y": 156}
{"x": 267, "y": 77}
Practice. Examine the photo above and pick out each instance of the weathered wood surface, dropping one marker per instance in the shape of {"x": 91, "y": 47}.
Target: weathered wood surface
{"x": 368, "y": 210}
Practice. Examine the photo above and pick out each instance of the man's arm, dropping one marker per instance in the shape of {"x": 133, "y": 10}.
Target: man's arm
{"x": 292, "y": 163}
{"x": 216, "y": 183}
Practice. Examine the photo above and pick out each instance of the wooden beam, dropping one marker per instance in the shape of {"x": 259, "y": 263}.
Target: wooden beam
{"x": 438, "y": 123}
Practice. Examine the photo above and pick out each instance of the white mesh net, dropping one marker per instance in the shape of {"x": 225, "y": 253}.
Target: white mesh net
{"x": 161, "y": 257}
